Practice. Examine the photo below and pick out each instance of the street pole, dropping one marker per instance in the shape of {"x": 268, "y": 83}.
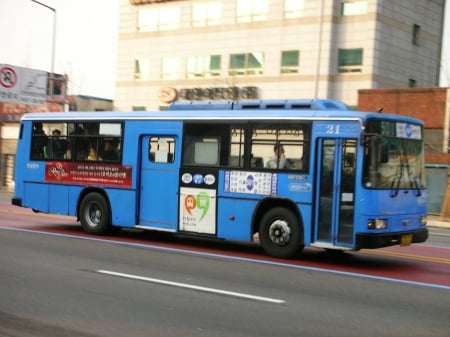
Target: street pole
{"x": 52, "y": 71}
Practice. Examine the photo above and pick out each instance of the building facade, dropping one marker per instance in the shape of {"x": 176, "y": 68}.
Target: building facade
{"x": 273, "y": 49}
{"x": 89, "y": 103}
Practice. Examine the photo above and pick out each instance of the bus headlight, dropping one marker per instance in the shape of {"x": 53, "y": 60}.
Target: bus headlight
{"x": 377, "y": 224}
{"x": 423, "y": 220}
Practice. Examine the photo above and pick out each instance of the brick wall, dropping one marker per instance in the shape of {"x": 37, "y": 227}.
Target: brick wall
{"x": 427, "y": 104}
{"x": 437, "y": 158}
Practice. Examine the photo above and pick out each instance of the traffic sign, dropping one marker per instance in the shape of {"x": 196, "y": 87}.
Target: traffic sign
{"x": 22, "y": 85}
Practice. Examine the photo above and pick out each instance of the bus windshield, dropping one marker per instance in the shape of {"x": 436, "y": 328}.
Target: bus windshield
{"x": 392, "y": 162}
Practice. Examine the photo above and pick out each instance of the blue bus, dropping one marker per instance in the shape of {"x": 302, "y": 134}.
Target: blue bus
{"x": 286, "y": 173}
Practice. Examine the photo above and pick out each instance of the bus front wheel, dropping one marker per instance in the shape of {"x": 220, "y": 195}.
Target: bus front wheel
{"x": 280, "y": 233}
{"x": 95, "y": 214}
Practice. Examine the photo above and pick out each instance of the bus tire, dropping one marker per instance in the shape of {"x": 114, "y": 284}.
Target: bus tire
{"x": 95, "y": 214}
{"x": 280, "y": 233}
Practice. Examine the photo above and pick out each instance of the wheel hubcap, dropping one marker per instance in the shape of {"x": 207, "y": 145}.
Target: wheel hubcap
{"x": 95, "y": 216}
{"x": 279, "y": 232}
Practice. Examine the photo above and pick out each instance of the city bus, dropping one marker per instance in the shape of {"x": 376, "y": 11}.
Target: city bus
{"x": 282, "y": 173}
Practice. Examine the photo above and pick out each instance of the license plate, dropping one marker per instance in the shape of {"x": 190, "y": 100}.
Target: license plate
{"x": 406, "y": 240}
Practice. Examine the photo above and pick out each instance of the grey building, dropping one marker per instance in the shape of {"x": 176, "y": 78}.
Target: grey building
{"x": 273, "y": 49}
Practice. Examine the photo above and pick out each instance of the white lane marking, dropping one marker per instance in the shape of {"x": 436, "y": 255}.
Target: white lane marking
{"x": 235, "y": 258}
{"x": 193, "y": 287}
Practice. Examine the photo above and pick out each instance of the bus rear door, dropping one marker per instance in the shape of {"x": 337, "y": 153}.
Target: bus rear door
{"x": 335, "y": 193}
{"x": 158, "y": 183}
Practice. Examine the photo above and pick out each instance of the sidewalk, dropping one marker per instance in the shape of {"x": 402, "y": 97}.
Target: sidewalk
{"x": 433, "y": 220}
{"x": 438, "y": 221}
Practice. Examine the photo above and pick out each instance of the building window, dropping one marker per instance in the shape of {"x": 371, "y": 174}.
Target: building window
{"x": 290, "y": 61}
{"x": 206, "y": 14}
{"x": 154, "y": 19}
{"x": 415, "y": 34}
{"x": 247, "y": 64}
{"x": 412, "y": 83}
{"x": 171, "y": 68}
{"x": 203, "y": 66}
{"x": 141, "y": 69}
{"x": 354, "y": 8}
{"x": 350, "y": 60}
{"x": 293, "y": 8}
{"x": 138, "y": 107}
{"x": 252, "y": 10}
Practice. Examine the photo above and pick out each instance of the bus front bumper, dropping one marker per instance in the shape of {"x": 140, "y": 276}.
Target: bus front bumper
{"x": 378, "y": 240}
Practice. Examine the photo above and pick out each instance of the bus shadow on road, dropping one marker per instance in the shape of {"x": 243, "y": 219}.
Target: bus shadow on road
{"x": 353, "y": 259}
{"x": 314, "y": 257}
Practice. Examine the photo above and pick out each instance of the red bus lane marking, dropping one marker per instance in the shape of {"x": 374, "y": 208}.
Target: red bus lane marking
{"x": 426, "y": 263}
{"x": 411, "y": 252}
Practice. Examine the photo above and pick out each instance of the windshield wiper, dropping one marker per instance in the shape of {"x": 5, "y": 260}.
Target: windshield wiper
{"x": 412, "y": 179}
{"x": 404, "y": 165}
{"x": 397, "y": 179}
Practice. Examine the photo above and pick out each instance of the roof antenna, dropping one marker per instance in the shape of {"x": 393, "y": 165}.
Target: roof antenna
{"x": 379, "y": 110}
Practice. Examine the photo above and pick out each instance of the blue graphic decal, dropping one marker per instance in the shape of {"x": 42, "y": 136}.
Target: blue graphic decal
{"x": 408, "y": 131}
{"x": 249, "y": 182}
{"x": 198, "y": 179}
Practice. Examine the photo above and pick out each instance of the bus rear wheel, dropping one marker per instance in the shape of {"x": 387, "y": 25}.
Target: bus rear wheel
{"x": 280, "y": 233}
{"x": 95, "y": 214}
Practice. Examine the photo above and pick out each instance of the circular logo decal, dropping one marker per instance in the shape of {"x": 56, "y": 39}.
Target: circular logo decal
{"x": 198, "y": 179}
{"x": 249, "y": 182}
{"x": 186, "y": 178}
{"x": 210, "y": 179}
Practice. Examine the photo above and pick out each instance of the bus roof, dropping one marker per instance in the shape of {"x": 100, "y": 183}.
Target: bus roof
{"x": 230, "y": 110}
{"x": 288, "y": 104}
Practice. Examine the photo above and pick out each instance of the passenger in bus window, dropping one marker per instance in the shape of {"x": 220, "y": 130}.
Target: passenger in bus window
{"x": 39, "y": 141}
{"x": 92, "y": 154}
{"x": 56, "y": 147}
{"x": 108, "y": 153}
{"x": 279, "y": 160}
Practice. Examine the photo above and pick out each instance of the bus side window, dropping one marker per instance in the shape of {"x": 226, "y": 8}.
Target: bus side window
{"x": 56, "y": 145}
{"x": 91, "y": 152}
{"x": 38, "y": 142}
{"x": 207, "y": 151}
{"x": 161, "y": 149}
{"x": 201, "y": 151}
{"x": 236, "y": 148}
{"x": 280, "y": 146}
{"x": 109, "y": 151}
{"x": 257, "y": 162}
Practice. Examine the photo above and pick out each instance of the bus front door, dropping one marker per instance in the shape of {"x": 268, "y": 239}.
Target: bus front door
{"x": 335, "y": 193}
{"x": 158, "y": 191}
